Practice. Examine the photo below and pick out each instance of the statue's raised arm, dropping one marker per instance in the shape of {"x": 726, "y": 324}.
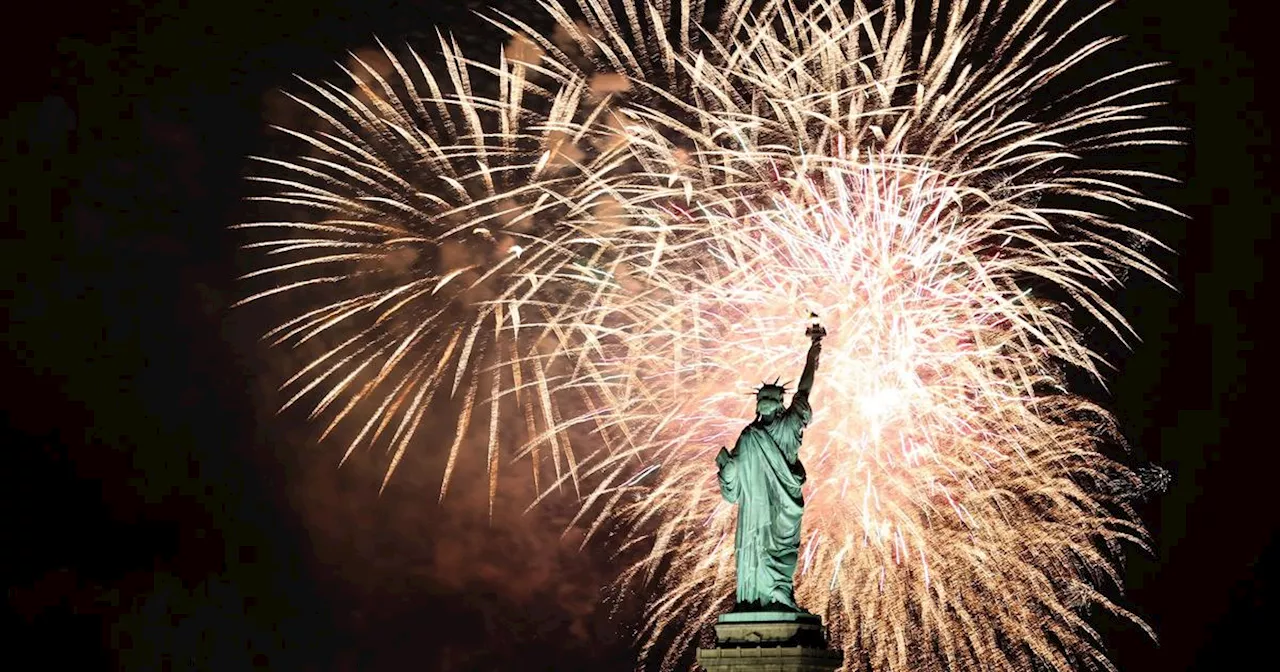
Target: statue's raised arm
{"x": 816, "y": 333}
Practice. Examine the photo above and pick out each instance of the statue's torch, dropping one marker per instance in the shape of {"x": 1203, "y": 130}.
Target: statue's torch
{"x": 815, "y": 330}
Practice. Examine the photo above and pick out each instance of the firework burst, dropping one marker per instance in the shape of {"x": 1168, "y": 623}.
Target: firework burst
{"x": 610, "y": 235}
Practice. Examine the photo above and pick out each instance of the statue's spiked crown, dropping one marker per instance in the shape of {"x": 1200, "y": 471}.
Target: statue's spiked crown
{"x": 771, "y": 390}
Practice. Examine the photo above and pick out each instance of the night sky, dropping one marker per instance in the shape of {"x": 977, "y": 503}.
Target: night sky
{"x": 162, "y": 517}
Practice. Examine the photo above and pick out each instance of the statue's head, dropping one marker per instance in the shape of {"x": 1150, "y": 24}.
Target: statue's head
{"x": 769, "y": 399}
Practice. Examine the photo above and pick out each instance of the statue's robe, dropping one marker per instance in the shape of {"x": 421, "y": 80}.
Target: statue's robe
{"x": 763, "y": 476}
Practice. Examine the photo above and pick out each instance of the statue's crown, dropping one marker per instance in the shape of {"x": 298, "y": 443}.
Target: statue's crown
{"x": 771, "y": 390}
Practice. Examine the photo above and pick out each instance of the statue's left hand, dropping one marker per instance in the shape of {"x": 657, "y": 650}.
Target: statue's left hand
{"x": 723, "y": 457}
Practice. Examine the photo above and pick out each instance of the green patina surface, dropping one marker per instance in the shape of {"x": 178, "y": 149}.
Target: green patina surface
{"x": 769, "y": 617}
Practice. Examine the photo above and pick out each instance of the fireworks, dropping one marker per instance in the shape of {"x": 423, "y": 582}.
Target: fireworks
{"x": 610, "y": 236}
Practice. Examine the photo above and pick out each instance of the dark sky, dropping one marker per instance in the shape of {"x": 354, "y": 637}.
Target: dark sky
{"x": 158, "y": 513}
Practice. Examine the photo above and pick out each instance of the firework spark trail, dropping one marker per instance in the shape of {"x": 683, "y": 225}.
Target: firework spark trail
{"x": 629, "y": 220}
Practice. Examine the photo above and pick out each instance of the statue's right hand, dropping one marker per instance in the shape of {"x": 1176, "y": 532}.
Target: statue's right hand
{"x": 723, "y": 457}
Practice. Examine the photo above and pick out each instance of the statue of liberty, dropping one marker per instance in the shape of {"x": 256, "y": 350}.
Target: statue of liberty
{"x": 763, "y": 475}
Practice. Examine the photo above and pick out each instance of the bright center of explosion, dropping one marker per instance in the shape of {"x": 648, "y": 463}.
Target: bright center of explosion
{"x": 878, "y": 405}
{"x": 876, "y": 253}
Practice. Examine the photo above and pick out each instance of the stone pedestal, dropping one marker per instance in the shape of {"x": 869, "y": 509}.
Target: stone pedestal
{"x": 769, "y": 641}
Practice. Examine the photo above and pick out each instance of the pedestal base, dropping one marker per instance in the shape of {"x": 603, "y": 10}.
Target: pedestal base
{"x": 769, "y": 642}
